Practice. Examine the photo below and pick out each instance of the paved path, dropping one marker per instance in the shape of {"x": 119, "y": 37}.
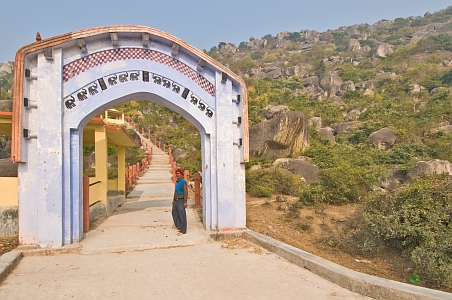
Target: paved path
{"x": 135, "y": 254}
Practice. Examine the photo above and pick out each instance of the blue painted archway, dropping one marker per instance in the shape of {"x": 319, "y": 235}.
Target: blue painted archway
{"x": 62, "y": 82}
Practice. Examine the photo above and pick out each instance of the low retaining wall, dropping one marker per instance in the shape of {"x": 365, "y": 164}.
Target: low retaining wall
{"x": 99, "y": 210}
{"x": 367, "y": 285}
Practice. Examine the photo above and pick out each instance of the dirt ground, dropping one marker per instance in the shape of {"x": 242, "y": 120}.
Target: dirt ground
{"x": 320, "y": 231}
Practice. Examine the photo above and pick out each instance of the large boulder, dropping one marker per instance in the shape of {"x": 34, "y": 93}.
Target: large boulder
{"x": 383, "y": 49}
{"x": 271, "y": 111}
{"x": 327, "y": 133}
{"x": 315, "y": 93}
{"x": 311, "y": 80}
{"x": 89, "y": 161}
{"x": 272, "y": 72}
{"x": 178, "y": 153}
{"x": 334, "y": 90}
{"x": 352, "y": 30}
{"x": 6, "y": 68}
{"x": 316, "y": 122}
{"x": 353, "y": 115}
{"x": 348, "y": 86}
{"x": 416, "y": 88}
{"x": 369, "y": 84}
{"x": 254, "y": 44}
{"x": 383, "y": 139}
{"x": 302, "y": 71}
{"x": 229, "y": 47}
{"x": 301, "y": 167}
{"x": 281, "y": 136}
{"x": 436, "y": 90}
{"x": 329, "y": 79}
{"x": 353, "y": 45}
{"x": 430, "y": 167}
{"x": 365, "y": 49}
{"x": 392, "y": 180}
{"x": 6, "y": 105}
{"x": 380, "y": 25}
{"x": 347, "y": 127}
{"x": 337, "y": 100}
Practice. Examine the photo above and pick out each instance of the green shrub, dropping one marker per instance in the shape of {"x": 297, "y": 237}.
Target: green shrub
{"x": 258, "y": 54}
{"x": 269, "y": 57}
{"x": 262, "y": 191}
{"x": 416, "y": 220}
{"x": 263, "y": 181}
{"x": 363, "y": 43}
{"x": 243, "y": 64}
{"x": 405, "y": 153}
{"x": 446, "y": 78}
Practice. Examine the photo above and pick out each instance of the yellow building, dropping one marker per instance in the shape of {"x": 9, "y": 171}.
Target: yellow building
{"x": 104, "y": 194}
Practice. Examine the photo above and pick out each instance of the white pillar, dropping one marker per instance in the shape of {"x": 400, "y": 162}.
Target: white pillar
{"x": 50, "y": 150}
{"x": 224, "y": 154}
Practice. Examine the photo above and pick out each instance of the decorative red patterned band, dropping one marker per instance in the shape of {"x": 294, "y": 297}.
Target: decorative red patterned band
{"x": 96, "y": 59}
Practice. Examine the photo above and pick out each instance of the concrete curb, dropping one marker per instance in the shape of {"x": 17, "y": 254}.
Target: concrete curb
{"x": 69, "y": 249}
{"x": 8, "y": 262}
{"x": 367, "y": 285}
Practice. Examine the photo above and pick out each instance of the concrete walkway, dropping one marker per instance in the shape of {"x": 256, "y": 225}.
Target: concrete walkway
{"x": 135, "y": 254}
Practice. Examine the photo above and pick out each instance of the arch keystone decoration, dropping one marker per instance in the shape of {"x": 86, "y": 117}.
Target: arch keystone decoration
{"x": 71, "y": 78}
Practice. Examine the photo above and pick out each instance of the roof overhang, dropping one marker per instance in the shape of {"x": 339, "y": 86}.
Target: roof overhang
{"x": 116, "y": 135}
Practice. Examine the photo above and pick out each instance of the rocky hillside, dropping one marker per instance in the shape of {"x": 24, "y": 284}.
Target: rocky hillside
{"x": 377, "y": 84}
{"x": 307, "y": 53}
{"x": 6, "y": 79}
{"x": 376, "y": 101}
{"x": 6, "y": 68}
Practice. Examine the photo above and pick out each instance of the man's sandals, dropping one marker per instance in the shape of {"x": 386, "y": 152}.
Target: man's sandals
{"x": 178, "y": 232}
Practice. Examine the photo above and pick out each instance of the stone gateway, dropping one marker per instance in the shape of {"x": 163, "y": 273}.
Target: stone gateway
{"x": 61, "y": 83}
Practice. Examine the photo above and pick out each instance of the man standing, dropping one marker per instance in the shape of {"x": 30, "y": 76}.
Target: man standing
{"x": 180, "y": 203}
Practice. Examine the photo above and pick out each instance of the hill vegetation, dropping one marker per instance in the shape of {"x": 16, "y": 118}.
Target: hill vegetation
{"x": 408, "y": 62}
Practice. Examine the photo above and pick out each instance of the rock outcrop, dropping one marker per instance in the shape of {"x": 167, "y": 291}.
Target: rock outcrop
{"x": 309, "y": 172}
{"x": 383, "y": 49}
{"x": 228, "y": 48}
{"x": 328, "y": 80}
{"x": 383, "y": 139}
{"x": 430, "y": 167}
{"x": 347, "y": 127}
{"x": 280, "y": 136}
{"x": 353, "y": 45}
{"x": 327, "y": 133}
{"x": 6, "y": 68}
{"x": 178, "y": 153}
{"x": 6, "y": 105}
{"x": 271, "y": 111}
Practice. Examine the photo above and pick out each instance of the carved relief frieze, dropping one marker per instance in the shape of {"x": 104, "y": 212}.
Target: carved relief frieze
{"x": 111, "y": 81}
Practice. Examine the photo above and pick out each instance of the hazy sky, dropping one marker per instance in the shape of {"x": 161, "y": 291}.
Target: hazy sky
{"x": 201, "y": 23}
